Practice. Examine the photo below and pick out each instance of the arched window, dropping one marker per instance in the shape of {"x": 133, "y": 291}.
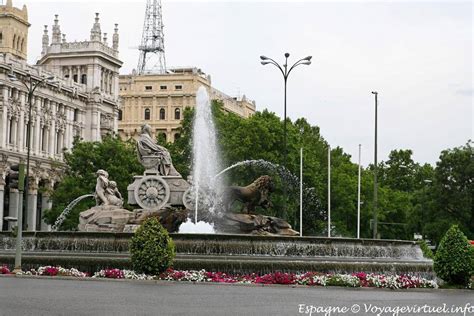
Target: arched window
{"x": 1, "y": 38}
{"x": 84, "y": 79}
{"x": 147, "y": 114}
{"x": 21, "y": 45}
{"x": 120, "y": 115}
{"x": 14, "y": 41}
{"x": 177, "y": 114}
{"x": 162, "y": 114}
{"x": 176, "y": 136}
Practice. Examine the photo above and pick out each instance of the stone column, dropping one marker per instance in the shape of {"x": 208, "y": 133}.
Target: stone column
{"x": 46, "y": 204}
{"x": 68, "y": 133}
{"x": 52, "y": 131}
{"x": 2, "y": 193}
{"x": 21, "y": 124}
{"x": 14, "y": 203}
{"x": 37, "y": 141}
{"x": 32, "y": 207}
{"x": 3, "y": 133}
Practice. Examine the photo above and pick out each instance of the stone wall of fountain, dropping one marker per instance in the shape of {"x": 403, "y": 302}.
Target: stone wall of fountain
{"x": 228, "y": 253}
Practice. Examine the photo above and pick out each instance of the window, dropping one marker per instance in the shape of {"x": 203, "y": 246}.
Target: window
{"x": 44, "y": 139}
{"x": 74, "y": 77}
{"x": 178, "y": 87}
{"x": 163, "y": 87}
{"x": 148, "y": 88}
{"x": 76, "y": 115}
{"x": 120, "y": 115}
{"x": 162, "y": 114}
{"x": 58, "y": 143}
{"x": 147, "y": 114}
{"x": 84, "y": 79}
{"x": 1, "y": 38}
{"x": 176, "y": 136}
{"x": 177, "y": 114}
{"x": 14, "y": 41}
{"x": 11, "y": 136}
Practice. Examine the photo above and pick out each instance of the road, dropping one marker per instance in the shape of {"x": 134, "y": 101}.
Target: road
{"x": 50, "y": 296}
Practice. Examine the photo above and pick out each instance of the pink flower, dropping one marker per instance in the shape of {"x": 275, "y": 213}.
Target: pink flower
{"x": 4, "y": 270}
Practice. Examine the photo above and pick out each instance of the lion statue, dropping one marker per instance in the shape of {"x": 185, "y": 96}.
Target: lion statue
{"x": 255, "y": 194}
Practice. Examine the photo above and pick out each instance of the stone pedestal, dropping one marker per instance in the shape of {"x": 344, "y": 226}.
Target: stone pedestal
{"x": 104, "y": 218}
{"x": 254, "y": 224}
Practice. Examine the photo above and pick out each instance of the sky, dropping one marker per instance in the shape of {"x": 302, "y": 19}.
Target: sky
{"x": 416, "y": 54}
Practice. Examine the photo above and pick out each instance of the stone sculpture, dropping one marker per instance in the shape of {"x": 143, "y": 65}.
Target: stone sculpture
{"x": 108, "y": 214}
{"x": 154, "y": 156}
{"x": 106, "y": 192}
{"x": 161, "y": 185}
{"x": 252, "y": 195}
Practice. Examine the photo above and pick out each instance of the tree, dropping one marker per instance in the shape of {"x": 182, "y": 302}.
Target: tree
{"x": 120, "y": 160}
{"x": 454, "y": 260}
{"x": 452, "y": 193}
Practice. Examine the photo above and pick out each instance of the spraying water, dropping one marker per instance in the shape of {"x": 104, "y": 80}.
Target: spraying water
{"x": 66, "y": 211}
{"x": 311, "y": 201}
{"x": 206, "y": 160}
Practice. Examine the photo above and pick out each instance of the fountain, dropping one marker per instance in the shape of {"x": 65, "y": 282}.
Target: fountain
{"x": 183, "y": 206}
{"x": 206, "y": 164}
{"x": 66, "y": 211}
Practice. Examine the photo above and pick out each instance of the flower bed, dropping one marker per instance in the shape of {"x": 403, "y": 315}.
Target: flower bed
{"x": 360, "y": 279}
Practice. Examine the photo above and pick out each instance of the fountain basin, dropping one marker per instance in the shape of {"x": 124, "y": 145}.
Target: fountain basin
{"x": 224, "y": 252}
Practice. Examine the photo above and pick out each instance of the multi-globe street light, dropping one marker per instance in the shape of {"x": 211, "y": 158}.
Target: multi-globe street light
{"x": 30, "y": 84}
{"x": 285, "y": 71}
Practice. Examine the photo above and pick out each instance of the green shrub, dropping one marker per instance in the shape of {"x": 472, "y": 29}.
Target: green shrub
{"x": 427, "y": 253}
{"x": 454, "y": 258}
{"x": 151, "y": 247}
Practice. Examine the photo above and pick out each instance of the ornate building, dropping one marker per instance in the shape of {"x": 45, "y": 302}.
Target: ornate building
{"x": 160, "y": 99}
{"x": 82, "y": 102}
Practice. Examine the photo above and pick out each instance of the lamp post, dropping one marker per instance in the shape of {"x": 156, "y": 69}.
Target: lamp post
{"x": 285, "y": 71}
{"x": 30, "y": 85}
{"x": 375, "y": 93}
{"x": 428, "y": 182}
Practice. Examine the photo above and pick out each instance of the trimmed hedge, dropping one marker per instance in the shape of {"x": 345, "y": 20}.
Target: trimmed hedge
{"x": 152, "y": 249}
{"x": 454, "y": 259}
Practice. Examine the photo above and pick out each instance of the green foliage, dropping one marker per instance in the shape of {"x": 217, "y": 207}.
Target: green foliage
{"x": 427, "y": 253}
{"x": 454, "y": 259}
{"x": 151, "y": 248}
{"x": 451, "y": 194}
{"x": 118, "y": 157}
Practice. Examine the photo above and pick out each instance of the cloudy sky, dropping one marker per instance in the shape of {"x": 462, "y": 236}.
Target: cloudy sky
{"x": 417, "y": 55}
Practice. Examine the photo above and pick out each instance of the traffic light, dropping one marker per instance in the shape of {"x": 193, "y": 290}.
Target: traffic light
{"x": 17, "y": 176}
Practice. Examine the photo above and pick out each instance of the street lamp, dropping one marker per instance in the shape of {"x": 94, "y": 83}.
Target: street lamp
{"x": 285, "y": 71}
{"x": 375, "y": 93}
{"x": 31, "y": 85}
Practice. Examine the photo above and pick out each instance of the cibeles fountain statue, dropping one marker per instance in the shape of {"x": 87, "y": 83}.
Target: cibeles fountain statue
{"x": 156, "y": 192}
{"x": 160, "y": 184}
{"x": 163, "y": 193}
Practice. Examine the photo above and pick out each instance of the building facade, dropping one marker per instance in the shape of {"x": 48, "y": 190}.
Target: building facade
{"x": 82, "y": 101}
{"x": 160, "y": 99}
